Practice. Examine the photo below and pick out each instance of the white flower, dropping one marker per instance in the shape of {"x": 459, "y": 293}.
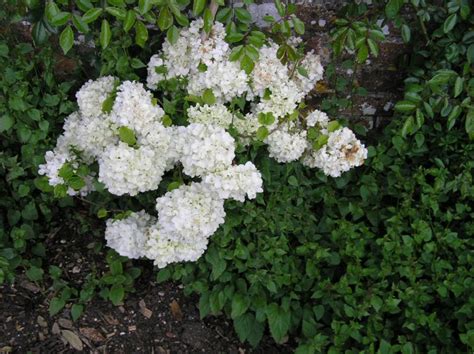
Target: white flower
{"x": 224, "y": 78}
{"x": 164, "y": 250}
{"x": 189, "y": 212}
{"x": 314, "y": 72}
{"x": 246, "y": 126}
{"x": 317, "y": 117}
{"x": 217, "y": 114}
{"x": 235, "y": 182}
{"x": 92, "y": 95}
{"x": 204, "y": 148}
{"x": 154, "y": 77}
{"x": 342, "y": 152}
{"x": 134, "y": 107}
{"x": 128, "y": 236}
{"x": 126, "y": 170}
{"x": 285, "y": 145}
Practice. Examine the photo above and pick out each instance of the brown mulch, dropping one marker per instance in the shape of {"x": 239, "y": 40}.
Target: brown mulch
{"x": 156, "y": 318}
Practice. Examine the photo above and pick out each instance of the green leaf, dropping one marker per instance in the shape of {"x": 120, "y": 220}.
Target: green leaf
{"x": 393, "y": 8}
{"x": 406, "y": 33}
{"x": 262, "y": 133}
{"x": 66, "y": 39}
{"x": 208, "y": 97}
{"x": 457, "y": 110}
{"x": 127, "y": 136}
{"x": 234, "y": 37}
{"x": 469, "y": 124}
{"x": 76, "y": 311}
{"x": 374, "y": 48}
{"x": 450, "y": 23}
{"x": 144, "y": 6}
{"x": 118, "y": 13}
{"x": 208, "y": 20}
{"x": 165, "y": 19}
{"x": 84, "y": 5}
{"x": 243, "y": 15}
{"x": 6, "y": 122}
{"x": 55, "y": 305}
{"x": 249, "y": 329}
{"x": 60, "y": 18}
{"x": 458, "y": 86}
{"x": 141, "y": 34}
{"x": 298, "y": 25}
{"x": 108, "y": 103}
{"x": 362, "y": 54}
{"x": 80, "y": 24}
{"x": 405, "y": 106}
{"x": 129, "y": 21}
{"x": 35, "y": 273}
{"x": 76, "y": 183}
{"x": 333, "y": 126}
{"x": 278, "y": 321}
{"x": 102, "y": 213}
{"x": 240, "y": 304}
{"x": 280, "y": 8}
{"x": 247, "y": 64}
{"x": 198, "y": 7}
{"x": 105, "y": 34}
{"x": 163, "y": 275}
{"x": 173, "y": 185}
{"x": 116, "y": 294}
{"x": 172, "y": 34}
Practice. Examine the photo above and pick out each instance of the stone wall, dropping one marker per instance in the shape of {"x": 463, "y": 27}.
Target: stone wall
{"x": 381, "y": 76}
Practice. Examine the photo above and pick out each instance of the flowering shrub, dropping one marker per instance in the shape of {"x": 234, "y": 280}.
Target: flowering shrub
{"x": 123, "y": 140}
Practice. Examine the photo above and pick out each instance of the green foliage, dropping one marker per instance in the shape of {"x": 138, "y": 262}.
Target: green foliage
{"x": 30, "y": 103}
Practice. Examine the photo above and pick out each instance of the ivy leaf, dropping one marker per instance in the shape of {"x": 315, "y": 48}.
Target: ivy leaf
{"x": 66, "y": 39}
{"x": 127, "y": 136}
{"x": 105, "y": 34}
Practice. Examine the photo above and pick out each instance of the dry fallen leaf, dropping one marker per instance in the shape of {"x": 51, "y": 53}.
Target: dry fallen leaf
{"x": 6, "y": 349}
{"x": 65, "y": 323}
{"x": 132, "y": 328}
{"x": 55, "y": 329}
{"x": 92, "y": 334}
{"x": 73, "y": 339}
{"x": 176, "y": 310}
{"x": 144, "y": 310}
{"x": 42, "y": 322}
{"x": 110, "y": 320}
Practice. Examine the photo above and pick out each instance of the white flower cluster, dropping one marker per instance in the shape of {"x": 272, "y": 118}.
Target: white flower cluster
{"x": 120, "y": 128}
{"x": 342, "y": 152}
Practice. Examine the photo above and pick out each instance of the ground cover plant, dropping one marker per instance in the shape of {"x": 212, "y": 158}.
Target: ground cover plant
{"x": 377, "y": 260}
